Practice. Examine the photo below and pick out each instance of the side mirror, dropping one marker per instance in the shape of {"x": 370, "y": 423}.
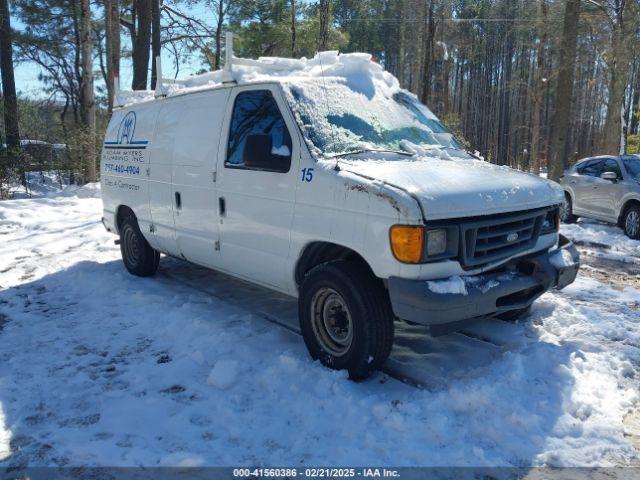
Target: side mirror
{"x": 257, "y": 151}
{"x": 259, "y": 154}
{"x": 611, "y": 176}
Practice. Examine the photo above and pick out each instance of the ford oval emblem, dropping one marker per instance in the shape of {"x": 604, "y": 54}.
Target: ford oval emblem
{"x": 512, "y": 237}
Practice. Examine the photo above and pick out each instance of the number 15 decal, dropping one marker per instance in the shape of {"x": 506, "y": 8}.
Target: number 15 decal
{"x": 307, "y": 174}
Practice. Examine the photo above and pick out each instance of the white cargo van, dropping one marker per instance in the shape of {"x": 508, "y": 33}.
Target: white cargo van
{"x": 322, "y": 179}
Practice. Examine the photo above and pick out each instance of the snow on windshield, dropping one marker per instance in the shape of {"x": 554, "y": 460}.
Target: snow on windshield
{"x": 349, "y": 114}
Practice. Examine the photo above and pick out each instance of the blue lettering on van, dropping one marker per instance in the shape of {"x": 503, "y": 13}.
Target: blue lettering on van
{"x": 116, "y": 168}
{"x": 126, "y": 131}
{"x": 307, "y": 174}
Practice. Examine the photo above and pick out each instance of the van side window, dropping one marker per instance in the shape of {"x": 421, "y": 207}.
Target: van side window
{"x": 258, "y": 137}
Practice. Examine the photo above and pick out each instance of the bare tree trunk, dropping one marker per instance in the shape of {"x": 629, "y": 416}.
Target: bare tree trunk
{"x": 155, "y": 39}
{"x": 446, "y": 75}
{"x": 538, "y": 89}
{"x": 112, "y": 32}
{"x": 294, "y": 53}
{"x": 635, "y": 103}
{"x": 564, "y": 93}
{"x": 613, "y": 143}
{"x": 401, "y": 42}
{"x": 88, "y": 106}
{"x": 325, "y": 19}
{"x": 141, "y": 45}
{"x": 447, "y": 13}
{"x": 219, "y": 25}
{"x": 504, "y": 117}
{"x": 12, "y": 131}
{"x": 418, "y": 57}
{"x": 428, "y": 54}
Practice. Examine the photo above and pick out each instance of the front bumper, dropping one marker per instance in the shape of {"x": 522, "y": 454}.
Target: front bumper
{"x": 516, "y": 286}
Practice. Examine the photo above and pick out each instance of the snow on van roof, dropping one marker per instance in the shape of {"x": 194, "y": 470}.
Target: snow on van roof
{"x": 357, "y": 70}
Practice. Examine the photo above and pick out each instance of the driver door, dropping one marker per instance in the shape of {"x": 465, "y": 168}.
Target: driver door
{"x": 256, "y": 197}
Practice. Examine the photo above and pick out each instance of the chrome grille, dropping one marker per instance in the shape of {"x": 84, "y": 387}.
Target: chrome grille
{"x": 499, "y": 236}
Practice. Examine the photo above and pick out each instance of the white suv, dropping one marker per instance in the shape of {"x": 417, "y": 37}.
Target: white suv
{"x": 606, "y": 188}
{"x": 322, "y": 179}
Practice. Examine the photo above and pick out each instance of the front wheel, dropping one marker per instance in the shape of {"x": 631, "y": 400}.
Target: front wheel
{"x": 345, "y": 318}
{"x": 138, "y": 256}
{"x": 632, "y": 222}
{"x": 566, "y": 211}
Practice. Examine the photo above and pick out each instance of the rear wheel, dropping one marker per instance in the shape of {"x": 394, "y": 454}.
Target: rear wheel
{"x": 566, "y": 211}
{"x": 631, "y": 222}
{"x": 138, "y": 256}
{"x": 345, "y": 318}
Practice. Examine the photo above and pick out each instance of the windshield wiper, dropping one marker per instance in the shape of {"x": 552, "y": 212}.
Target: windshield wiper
{"x": 356, "y": 152}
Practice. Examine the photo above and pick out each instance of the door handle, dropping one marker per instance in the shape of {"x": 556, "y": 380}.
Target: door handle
{"x": 178, "y": 201}
{"x": 222, "y": 206}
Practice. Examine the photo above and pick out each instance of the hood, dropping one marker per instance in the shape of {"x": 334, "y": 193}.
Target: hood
{"x": 460, "y": 187}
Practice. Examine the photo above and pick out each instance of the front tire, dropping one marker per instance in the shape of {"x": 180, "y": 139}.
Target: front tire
{"x": 345, "y": 318}
{"x": 566, "y": 210}
{"x": 631, "y": 222}
{"x": 138, "y": 256}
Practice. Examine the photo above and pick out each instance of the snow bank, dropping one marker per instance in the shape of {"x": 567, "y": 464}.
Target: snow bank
{"x": 592, "y": 233}
{"x": 561, "y": 259}
{"x": 5, "y": 437}
{"x": 52, "y": 184}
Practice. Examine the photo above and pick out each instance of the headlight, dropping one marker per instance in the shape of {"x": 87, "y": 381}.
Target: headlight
{"x": 551, "y": 221}
{"x": 420, "y": 244}
{"x": 407, "y": 242}
{"x": 436, "y": 242}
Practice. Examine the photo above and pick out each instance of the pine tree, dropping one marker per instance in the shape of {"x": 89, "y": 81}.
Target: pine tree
{"x": 12, "y": 132}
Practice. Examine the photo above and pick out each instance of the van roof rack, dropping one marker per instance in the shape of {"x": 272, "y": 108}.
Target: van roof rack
{"x": 122, "y": 98}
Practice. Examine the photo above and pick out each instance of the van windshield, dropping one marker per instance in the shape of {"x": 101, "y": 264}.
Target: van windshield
{"x": 338, "y": 118}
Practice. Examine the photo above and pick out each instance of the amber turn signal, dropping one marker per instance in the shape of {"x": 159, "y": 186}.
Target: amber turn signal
{"x": 407, "y": 242}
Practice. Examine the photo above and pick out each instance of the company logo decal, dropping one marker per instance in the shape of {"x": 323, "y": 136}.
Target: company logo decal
{"x": 127, "y": 127}
{"x": 512, "y": 237}
{"x": 126, "y": 131}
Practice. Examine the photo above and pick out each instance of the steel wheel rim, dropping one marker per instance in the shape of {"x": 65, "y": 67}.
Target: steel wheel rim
{"x": 331, "y": 321}
{"x": 632, "y": 223}
{"x": 131, "y": 246}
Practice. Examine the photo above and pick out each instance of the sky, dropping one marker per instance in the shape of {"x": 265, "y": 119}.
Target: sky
{"x": 26, "y": 74}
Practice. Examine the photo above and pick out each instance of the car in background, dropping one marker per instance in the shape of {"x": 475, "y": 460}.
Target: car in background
{"x": 604, "y": 188}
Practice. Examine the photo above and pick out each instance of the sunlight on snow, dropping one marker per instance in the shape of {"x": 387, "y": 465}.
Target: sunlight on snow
{"x": 5, "y": 436}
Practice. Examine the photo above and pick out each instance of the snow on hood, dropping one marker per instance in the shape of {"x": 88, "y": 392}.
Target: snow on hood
{"x": 458, "y": 188}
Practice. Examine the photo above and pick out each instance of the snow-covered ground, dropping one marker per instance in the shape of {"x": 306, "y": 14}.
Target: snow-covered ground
{"x": 100, "y": 368}
{"x": 603, "y": 240}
